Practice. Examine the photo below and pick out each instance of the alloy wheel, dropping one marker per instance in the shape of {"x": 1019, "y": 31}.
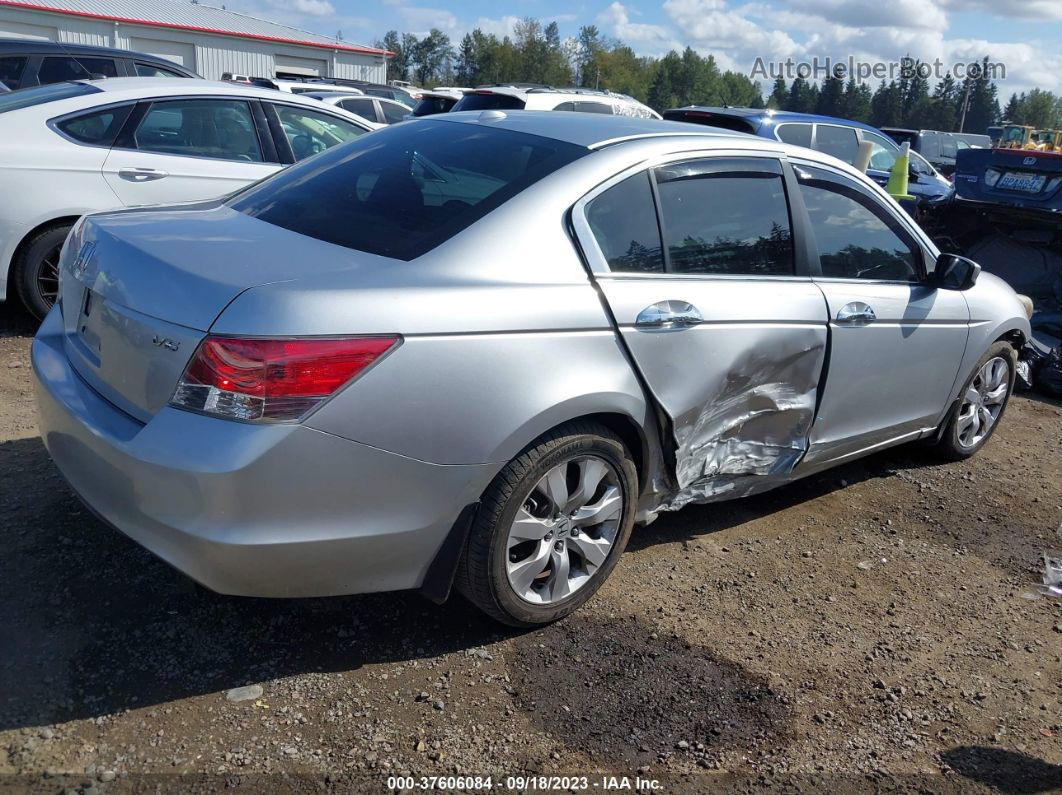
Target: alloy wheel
{"x": 564, "y": 530}
{"x": 47, "y": 281}
{"x": 983, "y": 402}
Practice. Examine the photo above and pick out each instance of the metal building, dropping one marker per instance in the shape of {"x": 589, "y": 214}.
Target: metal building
{"x": 209, "y": 40}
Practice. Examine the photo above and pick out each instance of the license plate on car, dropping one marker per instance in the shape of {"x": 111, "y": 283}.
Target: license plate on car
{"x": 1030, "y": 183}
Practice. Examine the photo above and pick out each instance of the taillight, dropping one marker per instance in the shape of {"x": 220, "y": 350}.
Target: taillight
{"x": 272, "y": 380}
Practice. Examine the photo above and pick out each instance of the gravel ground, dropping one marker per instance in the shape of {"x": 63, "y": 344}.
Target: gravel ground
{"x": 865, "y": 629}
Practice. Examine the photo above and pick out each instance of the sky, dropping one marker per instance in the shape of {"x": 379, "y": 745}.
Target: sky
{"x": 1024, "y": 35}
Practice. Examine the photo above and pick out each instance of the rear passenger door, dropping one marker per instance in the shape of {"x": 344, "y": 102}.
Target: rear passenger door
{"x": 709, "y": 290}
{"x": 895, "y": 340}
{"x": 177, "y": 150}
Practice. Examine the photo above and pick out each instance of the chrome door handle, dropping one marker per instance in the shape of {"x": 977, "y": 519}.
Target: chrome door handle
{"x": 856, "y": 314}
{"x": 669, "y": 315}
{"x": 141, "y": 174}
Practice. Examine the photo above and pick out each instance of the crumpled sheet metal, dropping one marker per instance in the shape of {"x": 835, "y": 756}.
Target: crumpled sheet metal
{"x": 755, "y": 431}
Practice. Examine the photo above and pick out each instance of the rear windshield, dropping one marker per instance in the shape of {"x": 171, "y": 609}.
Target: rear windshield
{"x": 39, "y": 95}
{"x": 429, "y": 106}
{"x": 403, "y": 190}
{"x": 710, "y": 119}
{"x": 488, "y": 101}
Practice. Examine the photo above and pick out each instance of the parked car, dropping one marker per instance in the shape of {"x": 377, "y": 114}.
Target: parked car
{"x": 438, "y": 100}
{"x": 27, "y": 62}
{"x": 375, "y": 110}
{"x": 939, "y": 148}
{"x": 837, "y": 137}
{"x": 534, "y": 97}
{"x": 466, "y": 349}
{"x": 407, "y": 96}
{"x": 93, "y": 145}
{"x": 303, "y": 87}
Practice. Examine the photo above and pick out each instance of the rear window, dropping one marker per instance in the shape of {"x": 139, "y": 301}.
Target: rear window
{"x": 39, "y": 95}
{"x": 710, "y": 119}
{"x": 488, "y": 101}
{"x": 404, "y": 190}
{"x": 429, "y": 106}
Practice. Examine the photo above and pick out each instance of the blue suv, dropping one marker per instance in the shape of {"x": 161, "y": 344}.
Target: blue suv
{"x": 837, "y": 137}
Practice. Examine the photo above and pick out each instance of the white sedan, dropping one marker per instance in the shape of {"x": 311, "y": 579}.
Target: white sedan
{"x": 78, "y": 147}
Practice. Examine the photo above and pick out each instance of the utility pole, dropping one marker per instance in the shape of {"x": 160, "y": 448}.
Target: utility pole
{"x": 965, "y": 106}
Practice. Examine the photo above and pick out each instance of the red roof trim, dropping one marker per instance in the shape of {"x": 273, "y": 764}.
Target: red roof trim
{"x": 194, "y": 29}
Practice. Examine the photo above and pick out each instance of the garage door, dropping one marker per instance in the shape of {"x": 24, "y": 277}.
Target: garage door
{"x": 287, "y": 65}
{"x": 176, "y": 51}
{"x": 20, "y": 30}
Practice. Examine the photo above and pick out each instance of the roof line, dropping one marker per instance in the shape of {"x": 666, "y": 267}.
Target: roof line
{"x": 194, "y": 29}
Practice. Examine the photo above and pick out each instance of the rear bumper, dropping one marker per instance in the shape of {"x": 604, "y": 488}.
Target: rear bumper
{"x": 252, "y": 510}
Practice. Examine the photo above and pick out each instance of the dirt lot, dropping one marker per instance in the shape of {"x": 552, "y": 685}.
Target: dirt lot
{"x": 869, "y": 628}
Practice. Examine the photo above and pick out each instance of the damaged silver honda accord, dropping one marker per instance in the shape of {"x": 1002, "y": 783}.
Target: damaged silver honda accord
{"x": 477, "y": 349}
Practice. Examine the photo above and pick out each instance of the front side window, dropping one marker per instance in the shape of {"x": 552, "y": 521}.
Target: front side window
{"x": 883, "y": 155}
{"x": 796, "y": 134}
{"x": 725, "y": 216}
{"x": 837, "y": 141}
{"x": 11, "y": 67}
{"x": 393, "y": 113}
{"x": 405, "y": 189}
{"x": 214, "y": 128}
{"x": 623, "y": 220}
{"x": 857, "y": 238}
{"x": 99, "y": 128}
{"x": 150, "y": 70}
{"x": 56, "y": 69}
{"x": 310, "y": 132}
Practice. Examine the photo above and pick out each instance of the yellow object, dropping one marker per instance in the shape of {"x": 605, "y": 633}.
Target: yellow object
{"x": 1017, "y": 136}
{"x": 897, "y": 187}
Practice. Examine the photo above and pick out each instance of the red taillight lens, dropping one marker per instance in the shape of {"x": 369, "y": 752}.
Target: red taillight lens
{"x": 249, "y": 379}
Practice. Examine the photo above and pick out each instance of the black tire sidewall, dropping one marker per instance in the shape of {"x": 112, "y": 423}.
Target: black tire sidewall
{"x": 516, "y": 610}
{"x": 29, "y": 265}
{"x": 951, "y": 444}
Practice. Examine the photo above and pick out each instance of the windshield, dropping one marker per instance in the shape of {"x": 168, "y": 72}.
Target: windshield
{"x": 39, "y": 95}
{"x": 402, "y": 191}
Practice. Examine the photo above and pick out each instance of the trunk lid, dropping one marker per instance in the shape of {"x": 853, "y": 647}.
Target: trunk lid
{"x": 140, "y": 289}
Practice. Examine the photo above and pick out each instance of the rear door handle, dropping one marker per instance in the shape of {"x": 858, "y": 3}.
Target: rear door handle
{"x": 669, "y": 315}
{"x": 141, "y": 174}
{"x": 856, "y": 314}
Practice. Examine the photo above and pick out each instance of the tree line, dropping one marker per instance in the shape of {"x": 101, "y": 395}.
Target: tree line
{"x": 537, "y": 54}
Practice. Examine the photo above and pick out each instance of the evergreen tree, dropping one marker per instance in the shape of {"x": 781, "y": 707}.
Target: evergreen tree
{"x": 779, "y": 95}
{"x": 886, "y": 106}
{"x": 802, "y": 97}
{"x": 983, "y": 109}
{"x": 1013, "y": 112}
{"x": 830, "y": 101}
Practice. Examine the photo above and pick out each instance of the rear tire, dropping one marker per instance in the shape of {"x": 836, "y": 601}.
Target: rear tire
{"x": 36, "y": 273}
{"x": 529, "y": 562}
{"x": 982, "y": 401}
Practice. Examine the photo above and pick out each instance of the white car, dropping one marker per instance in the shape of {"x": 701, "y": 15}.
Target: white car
{"x": 301, "y": 87}
{"x": 533, "y": 97}
{"x": 376, "y": 110}
{"x": 79, "y": 147}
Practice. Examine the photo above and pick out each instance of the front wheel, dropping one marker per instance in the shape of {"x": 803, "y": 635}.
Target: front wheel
{"x": 982, "y": 401}
{"x": 551, "y": 527}
{"x": 37, "y": 270}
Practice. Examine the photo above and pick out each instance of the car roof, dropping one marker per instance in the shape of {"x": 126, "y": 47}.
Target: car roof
{"x": 158, "y": 86}
{"x": 16, "y": 46}
{"x": 591, "y": 130}
{"x": 777, "y": 116}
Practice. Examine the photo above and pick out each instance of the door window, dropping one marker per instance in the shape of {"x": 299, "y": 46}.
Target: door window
{"x": 857, "y": 238}
{"x": 99, "y": 128}
{"x": 623, "y": 220}
{"x": 393, "y": 113}
{"x": 725, "y": 216}
{"x": 56, "y": 69}
{"x": 310, "y": 132}
{"x": 150, "y": 70}
{"x": 837, "y": 141}
{"x": 883, "y": 155}
{"x": 11, "y": 71}
{"x": 366, "y": 108}
{"x": 797, "y": 134}
{"x": 215, "y": 128}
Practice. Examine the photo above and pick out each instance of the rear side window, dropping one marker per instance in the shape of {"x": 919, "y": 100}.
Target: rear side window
{"x": 150, "y": 70}
{"x": 725, "y": 216}
{"x": 365, "y": 108}
{"x": 623, "y": 220}
{"x": 56, "y": 69}
{"x": 214, "y": 128}
{"x": 488, "y": 101}
{"x": 856, "y": 237}
{"x": 11, "y": 70}
{"x": 39, "y": 95}
{"x": 796, "y": 134}
{"x": 837, "y": 141}
{"x": 99, "y": 128}
{"x": 404, "y": 190}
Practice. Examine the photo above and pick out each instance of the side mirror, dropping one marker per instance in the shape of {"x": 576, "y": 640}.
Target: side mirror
{"x": 953, "y": 272}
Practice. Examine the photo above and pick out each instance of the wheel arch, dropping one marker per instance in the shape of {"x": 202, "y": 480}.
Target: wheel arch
{"x": 23, "y": 244}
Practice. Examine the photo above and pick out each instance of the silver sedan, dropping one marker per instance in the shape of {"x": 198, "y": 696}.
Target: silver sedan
{"x": 477, "y": 349}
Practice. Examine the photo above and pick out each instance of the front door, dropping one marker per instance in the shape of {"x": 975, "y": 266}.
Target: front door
{"x": 186, "y": 150}
{"x": 895, "y": 341}
{"x": 710, "y": 301}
